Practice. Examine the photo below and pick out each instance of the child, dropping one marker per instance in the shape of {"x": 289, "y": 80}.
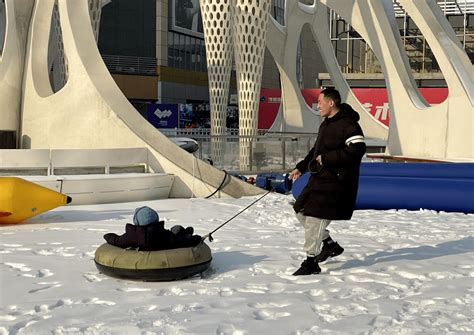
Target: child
{"x": 148, "y": 233}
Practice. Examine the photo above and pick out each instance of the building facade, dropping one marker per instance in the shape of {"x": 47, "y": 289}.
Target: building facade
{"x": 155, "y": 51}
{"x": 362, "y": 69}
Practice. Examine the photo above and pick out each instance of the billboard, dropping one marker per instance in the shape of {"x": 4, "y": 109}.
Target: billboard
{"x": 186, "y": 17}
{"x": 194, "y": 115}
{"x": 270, "y": 99}
{"x": 163, "y": 115}
{"x": 374, "y": 100}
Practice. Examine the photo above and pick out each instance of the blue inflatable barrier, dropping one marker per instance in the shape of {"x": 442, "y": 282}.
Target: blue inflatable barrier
{"x": 449, "y": 195}
{"x": 299, "y": 184}
{"x": 274, "y": 181}
{"x": 419, "y": 170}
{"x": 404, "y": 186}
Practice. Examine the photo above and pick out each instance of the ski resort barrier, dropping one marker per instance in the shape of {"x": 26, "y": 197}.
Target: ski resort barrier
{"x": 445, "y": 187}
{"x": 419, "y": 170}
{"x": 91, "y": 176}
{"x": 274, "y": 181}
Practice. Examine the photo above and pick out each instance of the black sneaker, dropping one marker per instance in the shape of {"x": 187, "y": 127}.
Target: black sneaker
{"x": 329, "y": 250}
{"x": 308, "y": 267}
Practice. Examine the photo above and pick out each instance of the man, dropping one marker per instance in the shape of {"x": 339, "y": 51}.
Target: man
{"x": 331, "y": 191}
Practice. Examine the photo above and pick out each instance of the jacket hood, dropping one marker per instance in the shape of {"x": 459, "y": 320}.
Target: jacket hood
{"x": 345, "y": 110}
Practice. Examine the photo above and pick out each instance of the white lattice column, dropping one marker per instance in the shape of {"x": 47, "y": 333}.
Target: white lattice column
{"x": 250, "y": 19}
{"x": 60, "y": 67}
{"x": 218, "y": 38}
{"x": 95, "y": 9}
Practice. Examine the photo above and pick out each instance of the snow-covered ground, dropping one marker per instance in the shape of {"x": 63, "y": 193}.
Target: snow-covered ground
{"x": 402, "y": 273}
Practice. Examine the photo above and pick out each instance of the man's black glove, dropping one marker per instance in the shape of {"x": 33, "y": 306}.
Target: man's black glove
{"x": 314, "y": 166}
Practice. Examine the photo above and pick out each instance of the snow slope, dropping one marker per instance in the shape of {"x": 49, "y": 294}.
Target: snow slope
{"x": 402, "y": 273}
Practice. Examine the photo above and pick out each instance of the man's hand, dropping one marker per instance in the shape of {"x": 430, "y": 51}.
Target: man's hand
{"x": 295, "y": 174}
{"x": 319, "y": 159}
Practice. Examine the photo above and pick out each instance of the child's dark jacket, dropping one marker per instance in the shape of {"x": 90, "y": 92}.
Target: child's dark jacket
{"x": 147, "y": 238}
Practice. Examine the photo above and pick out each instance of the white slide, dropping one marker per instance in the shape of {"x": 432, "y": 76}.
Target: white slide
{"x": 91, "y": 112}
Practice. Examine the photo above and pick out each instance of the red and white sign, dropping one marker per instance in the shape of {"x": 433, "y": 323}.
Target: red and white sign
{"x": 375, "y": 101}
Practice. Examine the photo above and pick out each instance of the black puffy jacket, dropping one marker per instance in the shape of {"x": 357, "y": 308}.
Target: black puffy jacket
{"x": 154, "y": 237}
{"x": 332, "y": 190}
{"x": 150, "y": 237}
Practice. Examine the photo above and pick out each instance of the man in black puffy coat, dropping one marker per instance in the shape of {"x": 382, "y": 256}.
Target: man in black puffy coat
{"x": 331, "y": 192}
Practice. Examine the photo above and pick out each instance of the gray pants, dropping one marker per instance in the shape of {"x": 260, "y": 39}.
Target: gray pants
{"x": 314, "y": 233}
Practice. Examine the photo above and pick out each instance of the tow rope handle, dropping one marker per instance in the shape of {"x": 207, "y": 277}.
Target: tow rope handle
{"x": 209, "y": 236}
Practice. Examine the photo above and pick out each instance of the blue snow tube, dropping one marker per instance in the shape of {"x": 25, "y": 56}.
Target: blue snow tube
{"x": 404, "y": 186}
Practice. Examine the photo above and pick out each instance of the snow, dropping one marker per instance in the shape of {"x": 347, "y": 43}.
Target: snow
{"x": 402, "y": 272}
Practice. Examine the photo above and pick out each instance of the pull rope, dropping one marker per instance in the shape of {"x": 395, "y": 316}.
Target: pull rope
{"x": 220, "y": 186}
{"x": 192, "y": 187}
{"x": 243, "y": 210}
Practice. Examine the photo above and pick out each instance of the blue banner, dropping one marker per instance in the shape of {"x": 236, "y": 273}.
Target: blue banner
{"x": 163, "y": 115}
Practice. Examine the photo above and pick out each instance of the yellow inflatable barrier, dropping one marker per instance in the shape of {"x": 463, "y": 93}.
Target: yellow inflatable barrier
{"x": 21, "y": 199}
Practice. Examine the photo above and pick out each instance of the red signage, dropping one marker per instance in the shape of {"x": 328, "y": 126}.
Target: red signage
{"x": 270, "y": 100}
{"x": 375, "y": 101}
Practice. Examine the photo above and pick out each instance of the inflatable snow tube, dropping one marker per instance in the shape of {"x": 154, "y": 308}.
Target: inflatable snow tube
{"x": 160, "y": 265}
{"x": 441, "y": 187}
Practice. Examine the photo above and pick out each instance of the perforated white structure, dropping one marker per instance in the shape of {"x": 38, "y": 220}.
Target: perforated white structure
{"x": 250, "y": 22}
{"x": 95, "y": 10}
{"x": 57, "y": 60}
{"x": 218, "y": 38}
{"x": 243, "y": 25}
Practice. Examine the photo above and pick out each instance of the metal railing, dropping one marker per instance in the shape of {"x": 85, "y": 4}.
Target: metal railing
{"x": 130, "y": 64}
{"x": 269, "y": 152}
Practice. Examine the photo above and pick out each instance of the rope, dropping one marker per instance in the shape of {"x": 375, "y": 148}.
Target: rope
{"x": 243, "y": 210}
{"x": 220, "y": 186}
{"x": 209, "y": 235}
{"x": 192, "y": 187}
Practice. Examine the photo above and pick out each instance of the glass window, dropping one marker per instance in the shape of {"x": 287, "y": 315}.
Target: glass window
{"x": 354, "y": 55}
{"x": 203, "y": 57}
{"x": 412, "y": 28}
{"x": 457, "y": 22}
{"x": 181, "y": 52}
{"x": 401, "y": 25}
{"x": 470, "y": 48}
{"x": 279, "y": 11}
{"x": 170, "y": 50}
{"x": 186, "y": 52}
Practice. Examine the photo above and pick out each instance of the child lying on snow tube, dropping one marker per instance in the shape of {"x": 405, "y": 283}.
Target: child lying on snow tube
{"x": 149, "y": 233}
